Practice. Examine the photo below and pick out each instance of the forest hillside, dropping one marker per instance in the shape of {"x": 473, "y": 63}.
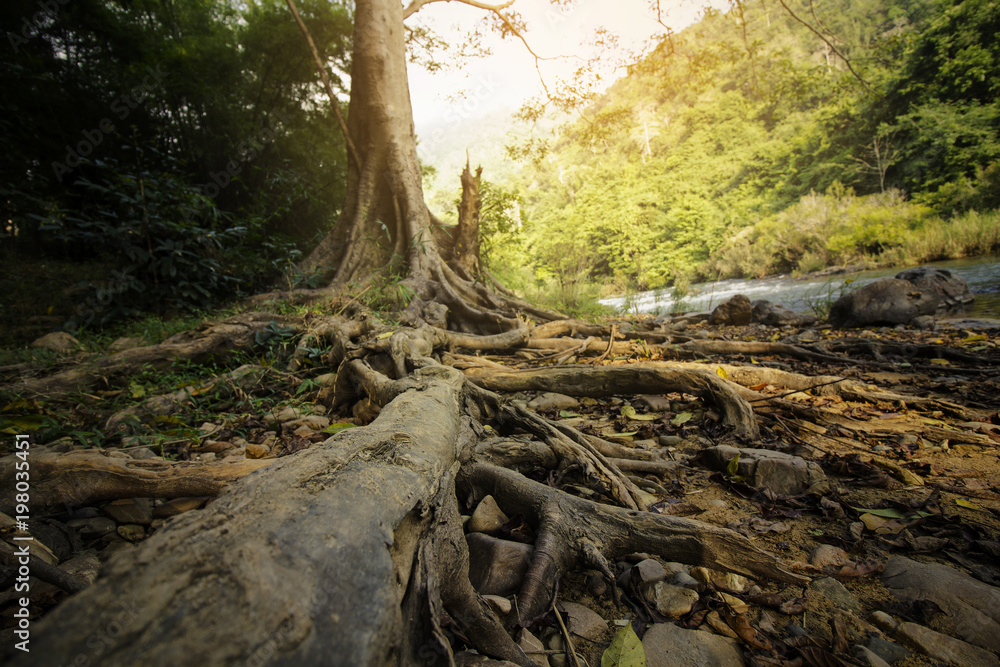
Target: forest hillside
{"x": 767, "y": 140}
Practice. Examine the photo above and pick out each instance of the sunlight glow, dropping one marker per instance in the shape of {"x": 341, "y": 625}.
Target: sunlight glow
{"x": 508, "y": 77}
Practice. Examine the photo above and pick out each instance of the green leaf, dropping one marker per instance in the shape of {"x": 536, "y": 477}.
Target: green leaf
{"x": 629, "y": 413}
{"x": 625, "y": 650}
{"x": 18, "y": 425}
{"x": 885, "y": 514}
{"x": 338, "y": 427}
{"x": 961, "y": 502}
{"x": 890, "y": 513}
{"x": 733, "y": 466}
{"x": 681, "y": 418}
{"x": 137, "y": 390}
{"x": 721, "y": 372}
{"x": 566, "y": 414}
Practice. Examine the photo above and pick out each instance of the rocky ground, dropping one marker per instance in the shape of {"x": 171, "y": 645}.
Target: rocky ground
{"x": 875, "y": 473}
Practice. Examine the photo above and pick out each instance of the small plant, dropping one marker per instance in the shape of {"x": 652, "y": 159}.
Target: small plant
{"x": 821, "y": 303}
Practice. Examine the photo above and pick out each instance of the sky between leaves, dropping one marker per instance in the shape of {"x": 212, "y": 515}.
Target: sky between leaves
{"x": 507, "y": 77}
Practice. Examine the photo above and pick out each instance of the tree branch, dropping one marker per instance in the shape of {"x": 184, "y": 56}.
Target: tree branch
{"x": 830, "y": 44}
{"x": 352, "y": 151}
{"x": 415, "y": 6}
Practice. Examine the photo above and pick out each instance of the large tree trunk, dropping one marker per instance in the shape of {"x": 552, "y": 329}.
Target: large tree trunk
{"x": 384, "y": 213}
{"x": 385, "y": 222}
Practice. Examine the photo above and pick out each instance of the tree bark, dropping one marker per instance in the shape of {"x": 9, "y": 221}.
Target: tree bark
{"x": 385, "y": 224}
{"x": 465, "y": 249}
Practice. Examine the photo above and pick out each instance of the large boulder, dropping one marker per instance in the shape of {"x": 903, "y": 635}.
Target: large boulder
{"x": 912, "y": 293}
{"x": 734, "y": 311}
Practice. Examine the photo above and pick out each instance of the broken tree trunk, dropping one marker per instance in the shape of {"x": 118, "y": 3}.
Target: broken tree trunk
{"x": 465, "y": 246}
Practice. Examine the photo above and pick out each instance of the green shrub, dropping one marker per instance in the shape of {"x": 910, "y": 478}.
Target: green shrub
{"x": 171, "y": 249}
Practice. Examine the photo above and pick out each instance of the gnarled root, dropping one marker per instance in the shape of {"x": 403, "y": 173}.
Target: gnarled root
{"x": 632, "y": 379}
{"x": 574, "y": 531}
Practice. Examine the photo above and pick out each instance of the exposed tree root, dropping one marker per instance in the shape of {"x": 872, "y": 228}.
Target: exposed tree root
{"x": 702, "y": 348}
{"x": 264, "y": 564}
{"x": 608, "y": 380}
{"x": 212, "y": 341}
{"x": 88, "y": 477}
{"x": 352, "y": 551}
{"x": 574, "y": 531}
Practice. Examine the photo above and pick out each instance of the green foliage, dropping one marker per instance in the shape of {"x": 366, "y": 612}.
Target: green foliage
{"x": 501, "y": 219}
{"x": 167, "y": 242}
{"x": 223, "y": 99}
{"x": 387, "y": 292}
{"x": 702, "y": 163}
{"x": 822, "y": 230}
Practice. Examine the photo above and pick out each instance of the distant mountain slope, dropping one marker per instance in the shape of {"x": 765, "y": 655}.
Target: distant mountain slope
{"x": 739, "y": 116}
{"x": 444, "y": 144}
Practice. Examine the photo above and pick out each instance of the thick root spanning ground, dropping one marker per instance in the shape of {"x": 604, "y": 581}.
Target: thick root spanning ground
{"x": 352, "y": 551}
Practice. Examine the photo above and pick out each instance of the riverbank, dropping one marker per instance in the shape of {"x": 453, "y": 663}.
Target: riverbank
{"x": 841, "y": 228}
{"x": 811, "y": 294}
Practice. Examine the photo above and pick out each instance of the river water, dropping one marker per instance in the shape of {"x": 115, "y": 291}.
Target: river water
{"x": 807, "y": 294}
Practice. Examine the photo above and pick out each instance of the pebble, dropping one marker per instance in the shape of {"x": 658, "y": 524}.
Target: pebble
{"x": 889, "y": 651}
{"x": 499, "y": 604}
{"x": 667, "y": 645}
{"x": 654, "y": 403}
{"x": 497, "y": 567}
{"x": 866, "y": 657}
{"x": 947, "y": 649}
{"x": 552, "y": 401}
{"x": 310, "y": 422}
{"x": 130, "y": 510}
{"x": 253, "y": 451}
{"x": 97, "y": 526}
{"x": 531, "y": 644}
{"x": 132, "y": 532}
{"x": 583, "y": 621}
{"x": 85, "y": 565}
{"x": 143, "y": 453}
{"x": 827, "y": 554}
{"x": 672, "y": 601}
{"x": 828, "y": 592}
{"x": 57, "y": 341}
{"x": 684, "y": 579}
{"x": 176, "y": 506}
{"x": 649, "y": 571}
{"x": 487, "y": 517}
{"x": 596, "y": 584}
